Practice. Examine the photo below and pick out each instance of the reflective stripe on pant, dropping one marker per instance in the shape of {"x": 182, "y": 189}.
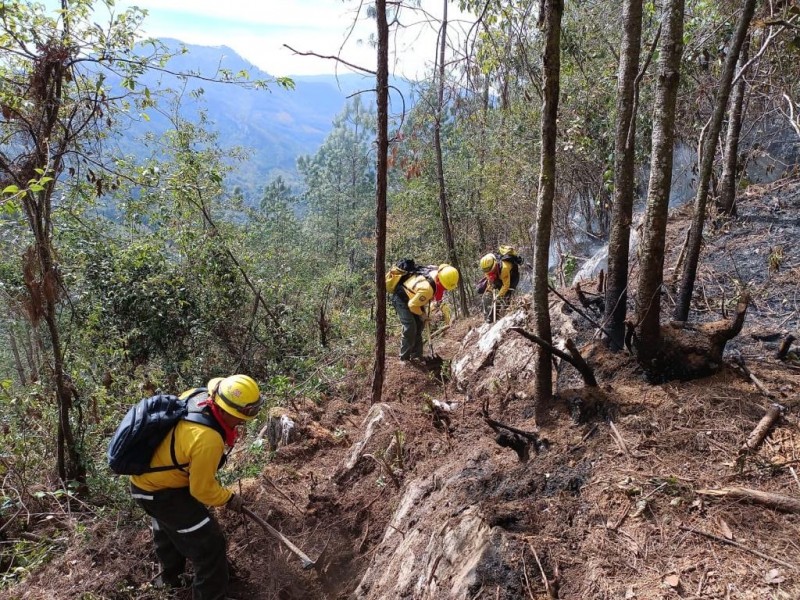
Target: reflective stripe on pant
{"x": 411, "y": 345}
{"x": 184, "y": 529}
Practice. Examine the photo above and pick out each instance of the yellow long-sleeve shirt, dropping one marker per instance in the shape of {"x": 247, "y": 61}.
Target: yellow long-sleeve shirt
{"x": 505, "y": 278}
{"x": 419, "y": 292}
{"x": 201, "y": 447}
{"x": 500, "y": 279}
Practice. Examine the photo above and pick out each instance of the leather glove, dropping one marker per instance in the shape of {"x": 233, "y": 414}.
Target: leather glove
{"x": 235, "y": 503}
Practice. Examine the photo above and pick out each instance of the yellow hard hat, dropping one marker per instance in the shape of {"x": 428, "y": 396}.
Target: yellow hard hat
{"x": 487, "y": 262}
{"x": 237, "y": 395}
{"x": 448, "y": 276}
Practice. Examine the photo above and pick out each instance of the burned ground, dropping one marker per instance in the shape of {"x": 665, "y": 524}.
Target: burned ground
{"x": 407, "y": 500}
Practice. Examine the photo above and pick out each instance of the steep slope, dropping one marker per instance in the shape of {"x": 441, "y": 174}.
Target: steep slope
{"x": 407, "y": 500}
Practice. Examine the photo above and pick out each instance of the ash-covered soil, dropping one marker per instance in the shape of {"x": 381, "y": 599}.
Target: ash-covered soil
{"x": 408, "y": 500}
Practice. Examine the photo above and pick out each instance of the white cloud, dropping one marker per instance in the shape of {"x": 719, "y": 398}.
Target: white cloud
{"x": 258, "y": 31}
{"x": 283, "y": 13}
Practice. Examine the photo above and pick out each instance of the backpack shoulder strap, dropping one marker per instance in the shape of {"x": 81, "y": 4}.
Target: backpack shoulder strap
{"x": 204, "y": 417}
{"x": 195, "y": 414}
{"x": 426, "y": 271}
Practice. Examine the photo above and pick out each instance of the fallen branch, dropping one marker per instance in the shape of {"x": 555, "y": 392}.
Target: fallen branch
{"x": 550, "y": 588}
{"x": 440, "y": 331}
{"x": 757, "y": 436}
{"x": 282, "y": 493}
{"x": 585, "y": 437}
{"x": 728, "y": 542}
{"x": 510, "y": 437}
{"x": 613, "y": 526}
{"x": 579, "y": 363}
{"x": 618, "y": 439}
{"x": 794, "y": 474}
{"x": 756, "y": 381}
{"x": 768, "y": 499}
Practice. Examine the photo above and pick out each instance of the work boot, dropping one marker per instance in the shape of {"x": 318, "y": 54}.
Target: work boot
{"x": 180, "y": 582}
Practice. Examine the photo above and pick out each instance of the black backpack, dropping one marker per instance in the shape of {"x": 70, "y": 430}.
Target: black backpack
{"x": 147, "y": 423}
{"x": 514, "y": 259}
{"x": 402, "y": 270}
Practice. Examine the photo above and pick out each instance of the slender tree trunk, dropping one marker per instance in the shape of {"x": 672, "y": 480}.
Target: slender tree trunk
{"x": 33, "y": 352}
{"x": 12, "y": 342}
{"x": 622, "y": 211}
{"x": 452, "y": 257}
{"x": 727, "y": 195}
{"x": 482, "y": 160}
{"x": 382, "y": 85}
{"x": 47, "y": 284}
{"x": 648, "y": 295}
{"x": 551, "y": 67}
{"x": 707, "y": 164}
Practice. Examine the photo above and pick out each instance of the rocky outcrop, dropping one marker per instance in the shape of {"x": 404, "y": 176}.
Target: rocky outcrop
{"x": 490, "y": 345}
{"x": 435, "y": 543}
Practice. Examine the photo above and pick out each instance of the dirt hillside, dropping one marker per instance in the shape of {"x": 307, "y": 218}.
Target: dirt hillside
{"x": 620, "y": 499}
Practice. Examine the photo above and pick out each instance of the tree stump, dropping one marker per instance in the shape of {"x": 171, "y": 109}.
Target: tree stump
{"x": 281, "y": 428}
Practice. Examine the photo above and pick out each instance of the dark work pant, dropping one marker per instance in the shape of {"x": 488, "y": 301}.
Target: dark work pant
{"x": 184, "y": 529}
{"x": 411, "y": 345}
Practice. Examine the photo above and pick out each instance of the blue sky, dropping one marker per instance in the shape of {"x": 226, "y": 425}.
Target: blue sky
{"x": 258, "y": 29}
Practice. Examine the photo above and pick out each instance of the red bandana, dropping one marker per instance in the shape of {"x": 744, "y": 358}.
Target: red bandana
{"x": 230, "y": 432}
{"x": 439, "y": 291}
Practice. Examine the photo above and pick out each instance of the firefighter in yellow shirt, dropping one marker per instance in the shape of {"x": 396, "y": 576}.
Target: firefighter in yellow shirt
{"x": 182, "y": 483}
{"x": 411, "y": 302}
{"x": 502, "y": 277}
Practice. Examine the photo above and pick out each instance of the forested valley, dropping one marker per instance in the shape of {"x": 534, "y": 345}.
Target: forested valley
{"x": 625, "y": 428}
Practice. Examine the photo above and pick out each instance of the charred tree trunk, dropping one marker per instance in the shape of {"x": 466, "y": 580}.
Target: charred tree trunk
{"x": 691, "y": 351}
{"x": 648, "y": 297}
{"x": 552, "y": 11}
{"x": 783, "y": 350}
{"x": 707, "y": 164}
{"x": 452, "y": 257}
{"x": 622, "y": 210}
{"x": 726, "y": 203}
{"x": 382, "y": 85}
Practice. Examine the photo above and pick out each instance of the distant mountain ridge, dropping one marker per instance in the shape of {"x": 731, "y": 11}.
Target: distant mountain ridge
{"x": 276, "y": 126}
